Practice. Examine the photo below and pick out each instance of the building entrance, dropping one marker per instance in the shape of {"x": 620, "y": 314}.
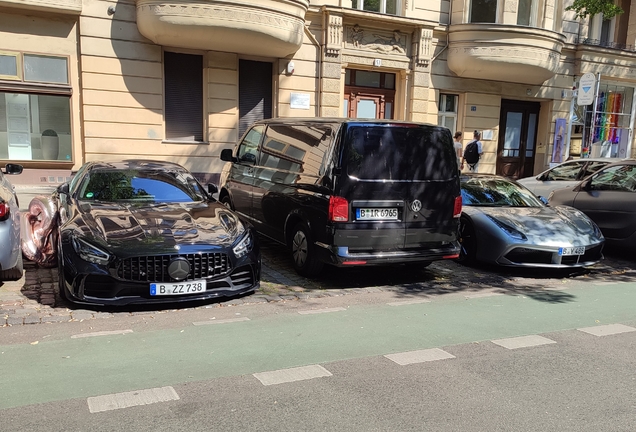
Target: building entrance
{"x": 518, "y": 123}
{"x": 369, "y": 95}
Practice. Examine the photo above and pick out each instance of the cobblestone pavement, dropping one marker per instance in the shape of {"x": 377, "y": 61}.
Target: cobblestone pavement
{"x": 34, "y": 299}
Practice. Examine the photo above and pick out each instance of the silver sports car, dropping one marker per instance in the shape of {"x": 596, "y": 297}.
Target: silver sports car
{"x": 504, "y": 223}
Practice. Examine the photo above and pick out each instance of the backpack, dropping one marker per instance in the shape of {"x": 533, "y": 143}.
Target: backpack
{"x": 471, "y": 153}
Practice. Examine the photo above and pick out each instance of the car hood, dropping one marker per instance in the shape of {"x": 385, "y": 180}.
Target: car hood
{"x": 560, "y": 226}
{"x": 158, "y": 226}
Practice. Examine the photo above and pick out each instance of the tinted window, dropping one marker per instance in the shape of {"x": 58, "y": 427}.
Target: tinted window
{"x": 249, "y": 146}
{"x": 567, "y": 171}
{"x": 400, "y": 153}
{"x": 146, "y": 186}
{"x": 617, "y": 178}
{"x": 497, "y": 192}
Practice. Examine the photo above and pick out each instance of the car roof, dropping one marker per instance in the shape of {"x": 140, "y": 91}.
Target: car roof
{"x": 339, "y": 120}
{"x": 138, "y": 164}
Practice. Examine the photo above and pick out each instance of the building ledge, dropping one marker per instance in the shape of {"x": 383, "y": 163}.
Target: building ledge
{"x": 71, "y": 7}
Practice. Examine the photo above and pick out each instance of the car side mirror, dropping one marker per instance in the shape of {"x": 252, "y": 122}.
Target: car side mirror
{"x": 212, "y": 189}
{"x": 13, "y": 168}
{"x": 226, "y": 155}
{"x": 63, "y": 189}
{"x": 543, "y": 199}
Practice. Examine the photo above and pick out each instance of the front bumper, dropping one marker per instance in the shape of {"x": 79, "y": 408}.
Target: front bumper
{"x": 548, "y": 257}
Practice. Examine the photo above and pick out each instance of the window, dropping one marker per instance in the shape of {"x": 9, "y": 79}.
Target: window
{"x": 447, "y": 111}
{"x": 9, "y": 66}
{"x": 620, "y": 178}
{"x": 369, "y": 94}
{"x": 183, "y": 76}
{"x": 249, "y": 146}
{"x": 568, "y": 171}
{"x": 527, "y": 12}
{"x": 391, "y": 7}
{"x": 483, "y": 11}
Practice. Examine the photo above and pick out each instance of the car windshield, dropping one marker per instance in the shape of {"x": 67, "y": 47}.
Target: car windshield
{"x": 497, "y": 193}
{"x": 154, "y": 186}
{"x": 400, "y": 152}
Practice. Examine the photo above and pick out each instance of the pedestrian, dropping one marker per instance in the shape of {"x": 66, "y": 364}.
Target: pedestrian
{"x": 473, "y": 153}
{"x": 459, "y": 147}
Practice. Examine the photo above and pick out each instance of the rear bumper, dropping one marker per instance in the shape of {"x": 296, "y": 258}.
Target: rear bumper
{"x": 342, "y": 256}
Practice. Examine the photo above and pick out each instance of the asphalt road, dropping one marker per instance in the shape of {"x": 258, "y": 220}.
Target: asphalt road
{"x": 381, "y": 361}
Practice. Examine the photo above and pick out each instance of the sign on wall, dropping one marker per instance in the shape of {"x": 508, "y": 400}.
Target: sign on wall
{"x": 299, "y": 101}
{"x": 587, "y": 88}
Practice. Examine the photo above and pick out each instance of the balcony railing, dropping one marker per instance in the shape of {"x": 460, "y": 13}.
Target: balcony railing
{"x": 606, "y": 44}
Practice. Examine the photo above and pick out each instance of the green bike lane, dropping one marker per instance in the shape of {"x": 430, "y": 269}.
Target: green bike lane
{"x": 78, "y": 368}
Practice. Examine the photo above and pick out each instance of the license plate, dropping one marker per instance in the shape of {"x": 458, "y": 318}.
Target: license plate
{"x": 376, "y": 214}
{"x": 572, "y": 251}
{"x": 182, "y": 288}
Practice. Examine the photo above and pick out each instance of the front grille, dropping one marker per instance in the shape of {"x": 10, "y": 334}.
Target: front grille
{"x": 529, "y": 256}
{"x": 155, "y": 268}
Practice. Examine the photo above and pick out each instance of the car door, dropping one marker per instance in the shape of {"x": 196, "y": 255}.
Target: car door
{"x": 610, "y": 200}
{"x": 241, "y": 177}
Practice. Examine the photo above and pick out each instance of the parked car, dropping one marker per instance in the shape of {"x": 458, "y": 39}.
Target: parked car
{"x": 608, "y": 197}
{"x": 11, "y": 266}
{"x": 146, "y": 232}
{"x": 566, "y": 174}
{"x": 347, "y": 192}
{"x": 504, "y": 223}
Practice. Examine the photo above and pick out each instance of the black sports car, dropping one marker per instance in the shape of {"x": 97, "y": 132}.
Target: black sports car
{"x": 142, "y": 232}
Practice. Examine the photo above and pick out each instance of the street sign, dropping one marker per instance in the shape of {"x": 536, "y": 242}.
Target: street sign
{"x": 587, "y": 88}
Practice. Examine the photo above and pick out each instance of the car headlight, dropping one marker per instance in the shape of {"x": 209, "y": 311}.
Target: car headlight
{"x": 88, "y": 252}
{"x": 244, "y": 246}
{"x": 512, "y": 232}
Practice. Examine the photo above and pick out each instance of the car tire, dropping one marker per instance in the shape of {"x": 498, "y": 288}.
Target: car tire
{"x": 227, "y": 202}
{"x": 467, "y": 241}
{"x": 13, "y": 273}
{"x": 303, "y": 252}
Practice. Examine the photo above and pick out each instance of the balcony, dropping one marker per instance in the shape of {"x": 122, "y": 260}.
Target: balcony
{"x": 508, "y": 53}
{"x": 272, "y": 28}
{"x": 71, "y": 7}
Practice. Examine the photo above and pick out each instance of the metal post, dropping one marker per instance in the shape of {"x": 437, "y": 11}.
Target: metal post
{"x": 598, "y": 86}
{"x": 569, "y": 125}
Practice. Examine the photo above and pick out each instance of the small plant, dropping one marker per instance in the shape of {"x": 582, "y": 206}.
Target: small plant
{"x": 583, "y": 8}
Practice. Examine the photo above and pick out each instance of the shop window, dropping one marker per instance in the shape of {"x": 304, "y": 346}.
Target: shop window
{"x": 183, "y": 77}
{"x": 447, "y": 111}
{"x": 391, "y": 7}
{"x": 483, "y": 11}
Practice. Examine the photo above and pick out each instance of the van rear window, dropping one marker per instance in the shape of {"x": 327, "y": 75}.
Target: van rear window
{"x": 400, "y": 153}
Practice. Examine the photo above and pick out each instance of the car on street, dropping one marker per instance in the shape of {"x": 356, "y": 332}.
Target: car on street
{"x": 608, "y": 197}
{"x": 566, "y": 174}
{"x": 503, "y": 223}
{"x": 141, "y": 231}
{"x": 347, "y": 192}
{"x": 11, "y": 265}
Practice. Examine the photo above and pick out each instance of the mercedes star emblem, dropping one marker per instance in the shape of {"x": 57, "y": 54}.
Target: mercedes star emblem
{"x": 416, "y": 206}
{"x": 179, "y": 268}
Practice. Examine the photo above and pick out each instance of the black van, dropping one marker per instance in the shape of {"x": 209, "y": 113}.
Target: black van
{"x": 347, "y": 192}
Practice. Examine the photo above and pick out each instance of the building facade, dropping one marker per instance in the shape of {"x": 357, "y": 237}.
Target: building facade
{"x": 85, "y": 80}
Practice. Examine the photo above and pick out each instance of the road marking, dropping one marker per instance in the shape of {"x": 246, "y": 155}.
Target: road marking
{"x": 408, "y": 302}
{"x": 223, "y": 321}
{"x": 293, "y": 374}
{"x": 129, "y": 399}
{"x": 482, "y": 295}
{"x": 421, "y": 356}
{"x": 606, "y": 330}
{"x": 317, "y": 311}
{"x": 101, "y": 333}
{"x": 523, "y": 341}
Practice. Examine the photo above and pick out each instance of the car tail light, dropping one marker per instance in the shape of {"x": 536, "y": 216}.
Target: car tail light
{"x": 454, "y": 256}
{"x": 4, "y": 211}
{"x": 457, "y": 210}
{"x": 338, "y": 209}
{"x": 354, "y": 262}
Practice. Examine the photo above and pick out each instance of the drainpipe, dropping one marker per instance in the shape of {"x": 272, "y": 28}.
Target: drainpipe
{"x": 315, "y": 42}
{"x": 450, "y": 18}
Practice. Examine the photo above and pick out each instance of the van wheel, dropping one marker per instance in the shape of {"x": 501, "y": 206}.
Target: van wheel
{"x": 13, "y": 273}
{"x": 467, "y": 241}
{"x": 303, "y": 252}
{"x": 227, "y": 202}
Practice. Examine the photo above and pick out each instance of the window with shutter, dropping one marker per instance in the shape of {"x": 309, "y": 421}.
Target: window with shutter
{"x": 183, "y": 77}
{"x": 255, "y": 93}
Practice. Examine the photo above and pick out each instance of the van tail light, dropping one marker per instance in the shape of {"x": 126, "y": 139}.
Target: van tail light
{"x": 4, "y": 211}
{"x": 338, "y": 209}
{"x": 457, "y": 210}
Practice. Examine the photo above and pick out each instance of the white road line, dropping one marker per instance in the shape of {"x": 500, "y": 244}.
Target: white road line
{"x": 421, "y": 356}
{"x": 482, "y": 295}
{"x": 129, "y": 399}
{"x": 293, "y": 374}
{"x": 408, "y": 302}
{"x": 223, "y": 321}
{"x": 101, "y": 333}
{"x": 607, "y": 330}
{"x": 523, "y": 342}
{"x": 317, "y": 311}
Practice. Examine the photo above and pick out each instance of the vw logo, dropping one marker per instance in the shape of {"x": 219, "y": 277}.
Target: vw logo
{"x": 179, "y": 268}
{"x": 416, "y": 205}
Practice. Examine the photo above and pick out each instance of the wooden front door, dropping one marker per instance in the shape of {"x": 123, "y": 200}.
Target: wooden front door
{"x": 518, "y": 124}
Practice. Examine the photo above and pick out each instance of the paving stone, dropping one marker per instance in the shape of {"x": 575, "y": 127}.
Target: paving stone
{"x": 234, "y": 302}
{"x": 32, "y": 319}
{"x": 15, "y": 321}
{"x": 81, "y": 316}
{"x": 55, "y": 318}
{"x": 103, "y": 315}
